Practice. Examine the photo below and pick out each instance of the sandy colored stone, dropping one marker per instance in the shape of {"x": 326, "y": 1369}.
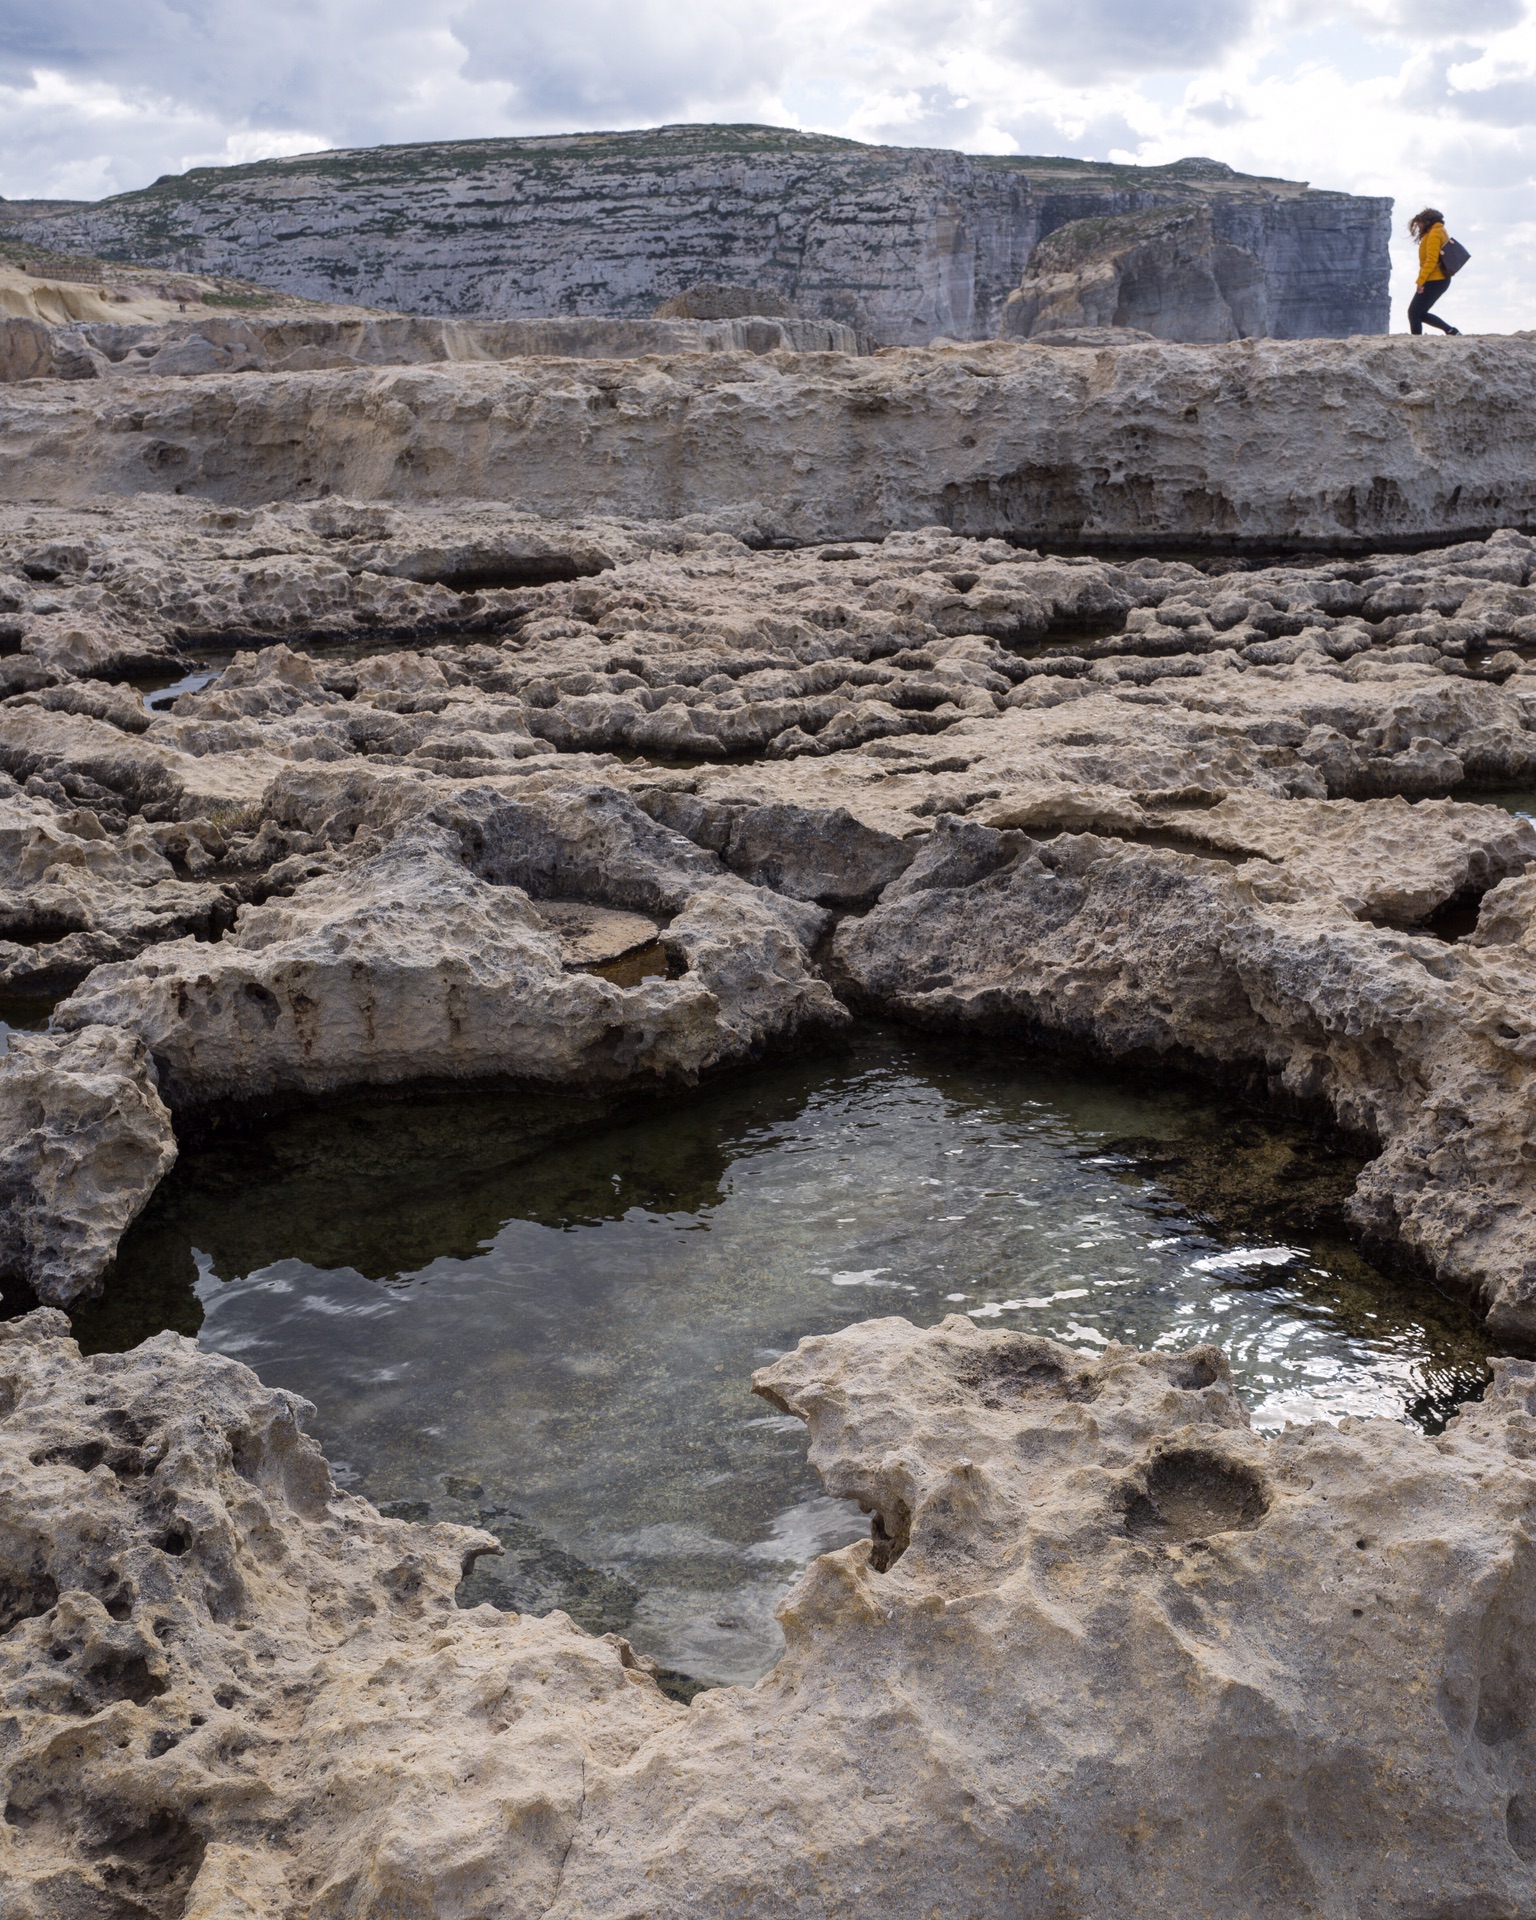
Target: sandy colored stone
{"x": 237, "y": 1693}
{"x": 1106, "y": 1651}
{"x": 428, "y": 960}
{"x": 1315, "y": 441}
{"x": 74, "y": 893}
{"x": 1239, "y": 771}
{"x": 47, "y": 340}
{"x": 84, "y": 1141}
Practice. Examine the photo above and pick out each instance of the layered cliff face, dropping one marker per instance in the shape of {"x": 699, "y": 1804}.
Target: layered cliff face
{"x": 904, "y": 243}
{"x": 1164, "y": 273}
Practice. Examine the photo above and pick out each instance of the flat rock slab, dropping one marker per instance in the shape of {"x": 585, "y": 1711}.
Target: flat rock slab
{"x": 1321, "y": 442}
{"x": 592, "y": 936}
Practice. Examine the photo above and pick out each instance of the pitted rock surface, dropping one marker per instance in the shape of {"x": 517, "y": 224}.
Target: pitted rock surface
{"x": 1105, "y": 1651}
{"x": 85, "y": 1139}
{"x": 1165, "y": 811}
{"x": 232, "y": 1689}
{"x": 1335, "y": 443}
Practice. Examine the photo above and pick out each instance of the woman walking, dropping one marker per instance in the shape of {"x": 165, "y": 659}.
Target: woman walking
{"x": 1428, "y": 228}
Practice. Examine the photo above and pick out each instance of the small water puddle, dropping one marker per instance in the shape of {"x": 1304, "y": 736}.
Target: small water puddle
{"x": 1520, "y": 800}
{"x": 23, "y": 1013}
{"x": 539, "y": 1314}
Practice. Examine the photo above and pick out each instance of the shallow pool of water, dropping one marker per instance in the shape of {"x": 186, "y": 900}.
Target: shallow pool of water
{"x": 1520, "y": 800}
{"x": 539, "y": 1314}
{"x": 23, "y": 1013}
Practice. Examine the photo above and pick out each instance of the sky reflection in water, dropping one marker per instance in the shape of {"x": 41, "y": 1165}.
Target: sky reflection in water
{"x": 540, "y": 1314}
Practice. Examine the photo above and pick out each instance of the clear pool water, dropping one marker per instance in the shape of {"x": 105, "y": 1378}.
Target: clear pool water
{"x": 540, "y": 1314}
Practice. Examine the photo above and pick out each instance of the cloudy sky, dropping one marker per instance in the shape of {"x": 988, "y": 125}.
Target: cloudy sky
{"x": 1421, "y": 100}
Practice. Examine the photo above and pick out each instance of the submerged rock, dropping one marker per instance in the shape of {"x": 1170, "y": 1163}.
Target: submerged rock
{"x": 84, "y": 1141}
{"x": 1106, "y": 1650}
{"x": 1414, "y": 1043}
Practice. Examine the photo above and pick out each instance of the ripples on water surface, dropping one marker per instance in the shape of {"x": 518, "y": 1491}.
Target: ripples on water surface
{"x": 540, "y": 1313}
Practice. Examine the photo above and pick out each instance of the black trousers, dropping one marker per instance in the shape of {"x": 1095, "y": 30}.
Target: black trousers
{"x": 1419, "y": 307}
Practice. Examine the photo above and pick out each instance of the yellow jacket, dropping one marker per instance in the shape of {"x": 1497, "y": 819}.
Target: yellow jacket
{"x": 1429, "y": 253}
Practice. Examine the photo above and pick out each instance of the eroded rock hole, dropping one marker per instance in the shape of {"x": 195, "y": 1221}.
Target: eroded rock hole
{"x": 151, "y": 1867}
{"x": 1451, "y": 922}
{"x": 114, "y": 1676}
{"x": 1457, "y": 918}
{"x": 84, "y": 1456}
{"x": 889, "y": 1539}
{"x": 25, "y": 1595}
{"x": 646, "y": 963}
{"x": 1520, "y": 1825}
{"x": 542, "y": 570}
{"x": 1191, "y": 1494}
{"x": 264, "y": 1001}
{"x": 1024, "y": 1366}
{"x": 1199, "y": 1368}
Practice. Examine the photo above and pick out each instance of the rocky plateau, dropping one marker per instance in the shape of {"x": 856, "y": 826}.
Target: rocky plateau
{"x": 571, "y": 723}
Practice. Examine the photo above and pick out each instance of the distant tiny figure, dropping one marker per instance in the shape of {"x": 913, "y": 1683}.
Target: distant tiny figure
{"x": 1428, "y": 228}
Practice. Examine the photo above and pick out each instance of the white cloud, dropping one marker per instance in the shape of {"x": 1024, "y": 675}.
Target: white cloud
{"x": 1401, "y": 97}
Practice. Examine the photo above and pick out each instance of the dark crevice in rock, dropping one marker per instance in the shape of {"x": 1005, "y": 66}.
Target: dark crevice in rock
{"x": 1453, "y": 921}
{"x": 508, "y": 575}
{"x": 25, "y": 1595}
{"x": 1214, "y": 552}
{"x": 1169, "y": 840}
{"x": 889, "y": 1538}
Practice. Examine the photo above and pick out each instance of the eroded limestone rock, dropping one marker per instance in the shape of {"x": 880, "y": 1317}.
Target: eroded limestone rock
{"x": 905, "y": 242}
{"x": 1106, "y": 1650}
{"x": 105, "y": 347}
{"x": 199, "y": 1631}
{"x": 1271, "y": 441}
{"x": 1236, "y": 773}
{"x": 84, "y": 1141}
{"x": 1164, "y": 272}
{"x": 430, "y": 960}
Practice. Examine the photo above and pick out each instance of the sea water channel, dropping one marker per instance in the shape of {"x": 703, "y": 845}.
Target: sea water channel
{"x": 540, "y": 1313}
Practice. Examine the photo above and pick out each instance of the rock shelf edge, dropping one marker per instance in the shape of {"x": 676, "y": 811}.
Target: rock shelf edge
{"x": 231, "y": 1688}
{"x": 1338, "y": 444}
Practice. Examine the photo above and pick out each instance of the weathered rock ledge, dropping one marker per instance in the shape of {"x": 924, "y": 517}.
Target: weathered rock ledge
{"x": 112, "y": 349}
{"x": 1333, "y": 443}
{"x": 602, "y": 828}
{"x": 1107, "y": 1651}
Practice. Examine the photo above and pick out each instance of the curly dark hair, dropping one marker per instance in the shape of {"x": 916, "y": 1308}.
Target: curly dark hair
{"x": 1422, "y": 221}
